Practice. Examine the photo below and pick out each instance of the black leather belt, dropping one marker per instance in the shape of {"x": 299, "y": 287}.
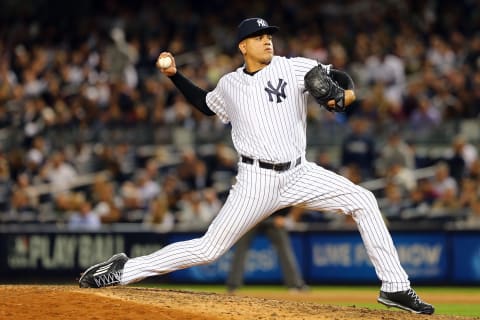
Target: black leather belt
{"x": 272, "y": 166}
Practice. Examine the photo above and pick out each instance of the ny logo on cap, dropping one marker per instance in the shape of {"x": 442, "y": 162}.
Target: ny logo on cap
{"x": 262, "y": 23}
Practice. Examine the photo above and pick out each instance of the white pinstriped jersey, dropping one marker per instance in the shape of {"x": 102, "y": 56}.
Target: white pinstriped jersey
{"x": 267, "y": 110}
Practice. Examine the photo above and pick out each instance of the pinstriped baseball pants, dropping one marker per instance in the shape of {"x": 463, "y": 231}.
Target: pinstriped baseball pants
{"x": 258, "y": 193}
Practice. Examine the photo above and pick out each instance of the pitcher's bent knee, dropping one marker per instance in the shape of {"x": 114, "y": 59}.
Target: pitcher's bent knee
{"x": 368, "y": 195}
{"x": 367, "y": 200}
{"x": 209, "y": 253}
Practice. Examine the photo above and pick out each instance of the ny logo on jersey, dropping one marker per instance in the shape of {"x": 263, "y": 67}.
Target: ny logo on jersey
{"x": 279, "y": 91}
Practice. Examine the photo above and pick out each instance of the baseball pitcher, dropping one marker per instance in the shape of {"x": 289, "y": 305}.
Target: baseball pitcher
{"x": 265, "y": 101}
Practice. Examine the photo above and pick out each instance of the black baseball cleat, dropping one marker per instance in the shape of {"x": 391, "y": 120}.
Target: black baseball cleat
{"x": 104, "y": 274}
{"x": 406, "y": 300}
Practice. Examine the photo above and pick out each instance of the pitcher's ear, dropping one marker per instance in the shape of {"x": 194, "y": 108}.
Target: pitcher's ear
{"x": 242, "y": 46}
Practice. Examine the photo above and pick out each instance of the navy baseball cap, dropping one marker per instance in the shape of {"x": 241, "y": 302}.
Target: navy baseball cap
{"x": 252, "y": 27}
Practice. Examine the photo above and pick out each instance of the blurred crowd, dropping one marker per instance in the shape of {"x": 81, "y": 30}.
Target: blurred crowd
{"x": 69, "y": 75}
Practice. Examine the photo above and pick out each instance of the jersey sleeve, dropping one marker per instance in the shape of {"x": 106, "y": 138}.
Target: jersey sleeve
{"x": 303, "y": 65}
{"x": 216, "y": 102}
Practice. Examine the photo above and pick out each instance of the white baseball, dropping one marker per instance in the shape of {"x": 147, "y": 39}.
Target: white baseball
{"x": 164, "y": 62}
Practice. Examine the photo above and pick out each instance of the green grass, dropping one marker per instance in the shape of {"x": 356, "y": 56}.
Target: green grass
{"x": 458, "y": 309}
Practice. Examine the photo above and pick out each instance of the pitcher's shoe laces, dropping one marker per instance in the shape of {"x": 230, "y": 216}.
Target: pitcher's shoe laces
{"x": 108, "y": 279}
{"x": 406, "y": 300}
{"x": 104, "y": 274}
{"x": 414, "y": 295}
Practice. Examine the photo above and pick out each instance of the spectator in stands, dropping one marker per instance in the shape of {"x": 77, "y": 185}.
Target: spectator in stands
{"x": 474, "y": 171}
{"x": 352, "y": 172}
{"x": 472, "y": 58}
{"x": 324, "y": 159}
{"x": 456, "y": 162}
{"x": 395, "y": 152}
{"x": 193, "y": 171}
{"x": 107, "y": 206}
{"x": 5, "y": 186}
{"x": 221, "y": 166}
{"x": 134, "y": 208}
{"x": 179, "y": 112}
{"x": 107, "y": 160}
{"x": 152, "y": 169}
{"x": 81, "y": 155}
{"x": 5, "y": 118}
{"x": 402, "y": 177}
{"x": 31, "y": 119}
{"x": 148, "y": 189}
{"x": 386, "y": 68}
{"x": 465, "y": 150}
{"x": 36, "y": 155}
{"x": 473, "y": 218}
{"x": 121, "y": 56}
{"x": 394, "y": 203}
{"x": 159, "y": 216}
{"x": 82, "y": 216}
{"x": 173, "y": 188}
{"x": 61, "y": 174}
{"x": 447, "y": 204}
{"x": 24, "y": 200}
{"x": 223, "y": 160}
{"x": 440, "y": 55}
{"x": 426, "y": 186}
{"x": 358, "y": 148}
{"x": 417, "y": 205}
{"x": 426, "y": 117}
{"x": 124, "y": 154}
{"x": 442, "y": 181}
{"x": 8, "y": 81}
{"x": 474, "y": 88}
{"x": 448, "y": 95}
{"x": 211, "y": 200}
{"x": 469, "y": 193}
{"x": 197, "y": 209}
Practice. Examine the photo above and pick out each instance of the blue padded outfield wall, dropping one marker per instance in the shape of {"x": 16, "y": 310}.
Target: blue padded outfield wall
{"x": 324, "y": 257}
{"x": 466, "y": 258}
{"x": 338, "y": 258}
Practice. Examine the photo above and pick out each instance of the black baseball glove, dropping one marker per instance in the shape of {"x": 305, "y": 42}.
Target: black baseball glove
{"x": 319, "y": 84}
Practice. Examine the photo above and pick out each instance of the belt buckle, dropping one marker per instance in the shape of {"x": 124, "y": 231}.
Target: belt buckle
{"x": 293, "y": 164}
{"x": 280, "y": 167}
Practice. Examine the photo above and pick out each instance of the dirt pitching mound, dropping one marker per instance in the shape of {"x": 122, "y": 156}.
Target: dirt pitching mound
{"x": 67, "y": 302}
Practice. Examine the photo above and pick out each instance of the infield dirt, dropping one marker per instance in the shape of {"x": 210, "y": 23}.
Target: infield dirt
{"x": 68, "y": 302}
